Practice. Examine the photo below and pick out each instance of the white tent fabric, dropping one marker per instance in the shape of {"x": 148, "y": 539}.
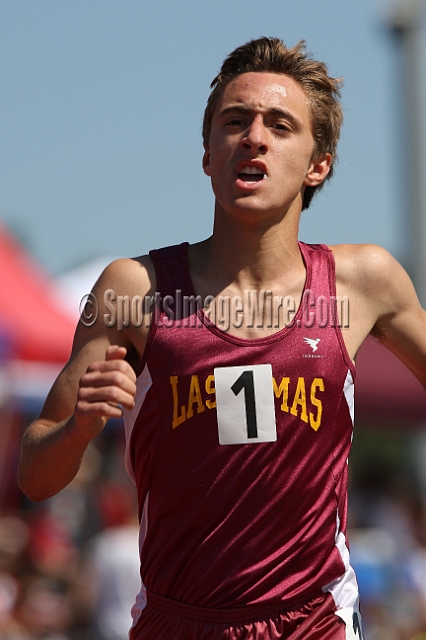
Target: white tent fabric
{"x": 74, "y": 284}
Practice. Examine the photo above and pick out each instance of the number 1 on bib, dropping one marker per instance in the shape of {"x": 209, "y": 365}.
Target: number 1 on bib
{"x": 247, "y": 417}
{"x": 245, "y": 381}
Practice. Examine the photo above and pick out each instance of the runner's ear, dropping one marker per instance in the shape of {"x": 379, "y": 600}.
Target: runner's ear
{"x": 318, "y": 170}
{"x": 206, "y": 162}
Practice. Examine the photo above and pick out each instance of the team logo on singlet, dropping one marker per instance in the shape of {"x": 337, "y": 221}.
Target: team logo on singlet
{"x": 313, "y": 343}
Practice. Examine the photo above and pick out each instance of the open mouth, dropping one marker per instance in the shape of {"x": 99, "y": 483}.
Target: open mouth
{"x": 251, "y": 174}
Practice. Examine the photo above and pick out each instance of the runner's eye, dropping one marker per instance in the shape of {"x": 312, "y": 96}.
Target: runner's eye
{"x": 281, "y": 126}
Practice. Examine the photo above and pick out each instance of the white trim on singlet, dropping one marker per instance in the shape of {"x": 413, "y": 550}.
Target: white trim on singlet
{"x": 346, "y": 598}
{"x": 341, "y": 544}
{"x": 143, "y": 383}
{"x": 352, "y": 619}
{"x": 348, "y": 390}
{"x": 140, "y": 602}
{"x": 345, "y": 590}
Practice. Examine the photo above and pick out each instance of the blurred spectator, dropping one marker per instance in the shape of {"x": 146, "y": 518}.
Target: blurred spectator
{"x": 112, "y": 562}
{"x": 10, "y": 629}
{"x": 14, "y": 537}
{"x": 44, "y": 610}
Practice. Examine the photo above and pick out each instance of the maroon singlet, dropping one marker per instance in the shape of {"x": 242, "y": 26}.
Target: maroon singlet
{"x": 251, "y": 523}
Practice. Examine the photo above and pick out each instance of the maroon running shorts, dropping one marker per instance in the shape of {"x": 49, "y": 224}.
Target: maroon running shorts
{"x": 165, "y": 619}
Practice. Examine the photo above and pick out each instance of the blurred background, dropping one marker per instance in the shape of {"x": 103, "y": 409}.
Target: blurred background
{"x": 100, "y": 135}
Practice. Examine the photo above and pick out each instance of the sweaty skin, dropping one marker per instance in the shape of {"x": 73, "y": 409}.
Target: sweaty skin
{"x": 261, "y": 126}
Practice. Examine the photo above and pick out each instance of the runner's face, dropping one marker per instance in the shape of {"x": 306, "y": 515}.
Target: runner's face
{"x": 261, "y": 145}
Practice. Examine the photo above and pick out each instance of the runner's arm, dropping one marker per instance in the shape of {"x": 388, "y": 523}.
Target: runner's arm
{"x": 87, "y": 393}
{"x": 401, "y": 322}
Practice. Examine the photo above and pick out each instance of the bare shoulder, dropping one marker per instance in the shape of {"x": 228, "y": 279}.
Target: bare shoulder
{"x": 101, "y": 326}
{"x": 383, "y": 294}
{"x": 103, "y": 321}
{"x": 365, "y": 264}
{"x": 129, "y": 275}
{"x": 106, "y": 320}
{"x": 373, "y": 273}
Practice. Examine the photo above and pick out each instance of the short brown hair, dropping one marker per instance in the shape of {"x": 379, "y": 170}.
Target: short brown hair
{"x": 271, "y": 55}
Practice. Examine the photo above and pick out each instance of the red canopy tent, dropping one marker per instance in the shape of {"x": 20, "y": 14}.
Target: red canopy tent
{"x": 35, "y": 340}
{"x": 29, "y": 317}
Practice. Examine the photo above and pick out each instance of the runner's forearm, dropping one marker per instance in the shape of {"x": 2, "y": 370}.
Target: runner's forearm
{"x": 50, "y": 458}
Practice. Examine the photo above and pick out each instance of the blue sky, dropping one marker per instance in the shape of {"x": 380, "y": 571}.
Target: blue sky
{"x": 101, "y": 107}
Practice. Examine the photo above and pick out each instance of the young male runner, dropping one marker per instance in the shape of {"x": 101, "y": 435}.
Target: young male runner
{"x": 238, "y": 440}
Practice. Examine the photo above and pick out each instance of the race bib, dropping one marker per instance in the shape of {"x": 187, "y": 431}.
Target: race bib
{"x": 245, "y": 404}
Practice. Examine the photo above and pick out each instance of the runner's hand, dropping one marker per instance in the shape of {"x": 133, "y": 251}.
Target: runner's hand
{"x": 104, "y": 389}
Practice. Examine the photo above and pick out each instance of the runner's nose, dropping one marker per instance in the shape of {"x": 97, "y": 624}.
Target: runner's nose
{"x": 256, "y": 136}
